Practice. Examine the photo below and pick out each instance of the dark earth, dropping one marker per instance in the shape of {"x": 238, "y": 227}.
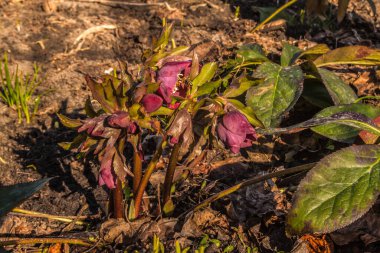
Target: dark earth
{"x": 48, "y": 33}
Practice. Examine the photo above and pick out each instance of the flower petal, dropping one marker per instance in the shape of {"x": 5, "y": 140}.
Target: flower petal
{"x": 168, "y": 76}
{"x": 151, "y": 102}
{"x": 232, "y": 140}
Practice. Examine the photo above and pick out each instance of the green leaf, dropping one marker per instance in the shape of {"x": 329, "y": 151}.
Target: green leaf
{"x": 315, "y": 51}
{"x": 103, "y": 93}
{"x": 316, "y": 93}
{"x": 70, "y": 123}
{"x": 289, "y": 54}
{"x": 252, "y": 53}
{"x": 277, "y": 94}
{"x": 168, "y": 208}
{"x": 340, "y": 92}
{"x": 208, "y": 88}
{"x": 337, "y": 191}
{"x": 241, "y": 86}
{"x": 344, "y": 133}
{"x": 207, "y": 73}
{"x": 247, "y": 111}
{"x": 359, "y": 55}
{"x": 89, "y": 109}
{"x": 12, "y": 196}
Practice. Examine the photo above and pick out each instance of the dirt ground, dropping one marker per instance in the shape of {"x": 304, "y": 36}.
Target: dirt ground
{"x": 54, "y": 37}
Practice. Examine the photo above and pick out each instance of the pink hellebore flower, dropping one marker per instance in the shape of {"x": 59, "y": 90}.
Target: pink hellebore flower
{"x": 168, "y": 77}
{"x": 151, "y": 102}
{"x": 235, "y": 131}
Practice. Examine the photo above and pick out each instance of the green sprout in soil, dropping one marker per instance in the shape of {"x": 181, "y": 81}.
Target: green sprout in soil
{"x": 18, "y": 90}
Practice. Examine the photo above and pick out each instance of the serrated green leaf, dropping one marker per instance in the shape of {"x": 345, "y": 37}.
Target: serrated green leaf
{"x": 277, "y": 93}
{"x": 252, "y": 53}
{"x": 337, "y": 191}
{"x": 359, "y": 55}
{"x": 208, "y": 88}
{"x": 12, "y": 196}
{"x": 67, "y": 122}
{"x": 341, "y": 132}
{"x": 340, "y": 92}
{"x": 206, "y": 74}
{"x": 289, "y": 54}
{"x": 243, "y": 84}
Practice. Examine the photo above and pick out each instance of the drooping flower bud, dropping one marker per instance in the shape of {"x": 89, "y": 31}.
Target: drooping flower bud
{"x": 151, "y": 102}
{"x": 235, "y": 131}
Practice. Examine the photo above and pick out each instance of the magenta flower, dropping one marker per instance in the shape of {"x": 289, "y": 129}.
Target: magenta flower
{"x": 235, "y": 131}
{"x": 168, "y": 77}
{"x": 151, "y": 102}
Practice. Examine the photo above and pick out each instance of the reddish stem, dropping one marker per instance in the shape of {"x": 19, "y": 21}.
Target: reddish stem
{"x": 170, "y": 171}
{"x": 117, "y": 200}
{"x": 137, "y": 168}
{"x": 145, "y": 179}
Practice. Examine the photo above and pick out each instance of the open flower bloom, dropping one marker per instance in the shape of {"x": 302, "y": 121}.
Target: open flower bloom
{"x": 168, "y": 77}
{"x": 235, "y": 131}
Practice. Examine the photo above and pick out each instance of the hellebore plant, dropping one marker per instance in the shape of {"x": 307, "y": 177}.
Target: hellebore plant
{"x": 191, "y": 106}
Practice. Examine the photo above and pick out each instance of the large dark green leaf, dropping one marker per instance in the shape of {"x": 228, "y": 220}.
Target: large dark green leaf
{"x": 316, "y": 93}
{"x": 341, "y": 132}
{"x": 12, "y": 196}
{"x": 277, "y": 93}
{"x": 337, "y": 191}
{"x": 360, "y": 55}
{"x": 340, "y": 92}
{"x": 289, "y": 54}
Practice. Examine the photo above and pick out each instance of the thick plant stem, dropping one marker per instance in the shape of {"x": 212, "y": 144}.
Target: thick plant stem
{"x": 117, "y": 200}
{"x": 286, "y": 5}
{"x": 145, "y": 179}
{"x": 170, "y": 172}
{"x": 137, "y": 167}
{"x": 254, "y": 180}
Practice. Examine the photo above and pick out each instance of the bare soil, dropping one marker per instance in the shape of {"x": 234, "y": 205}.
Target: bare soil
{"x": 32, "y": 32}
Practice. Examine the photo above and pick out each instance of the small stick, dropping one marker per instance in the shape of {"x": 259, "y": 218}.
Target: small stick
{"x": 49, "y": 216}
{"x": 286, "y": 5}
{"x": 120, "y": 3}
{"x": 24, "y": 241}
{"x": 254, "y": 180}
